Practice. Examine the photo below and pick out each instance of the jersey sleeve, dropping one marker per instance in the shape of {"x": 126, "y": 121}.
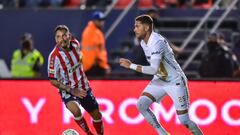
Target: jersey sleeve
{"x": 157, "y": 50}
{"x": 75, "y": 41}
{"x": 53, "y": 66}
{"x": 157, "y": 53}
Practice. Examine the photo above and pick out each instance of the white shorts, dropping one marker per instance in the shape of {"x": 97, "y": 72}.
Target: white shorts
{"x": 178, "y": 91}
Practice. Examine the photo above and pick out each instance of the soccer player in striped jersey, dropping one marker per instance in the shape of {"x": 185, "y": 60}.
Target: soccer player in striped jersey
{"x": 65, "y": 72}
{"x": 168, "y": 79}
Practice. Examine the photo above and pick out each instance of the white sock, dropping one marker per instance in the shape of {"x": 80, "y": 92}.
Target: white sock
{"x": 193, "y": 127}
{"x": 143, "y": 106}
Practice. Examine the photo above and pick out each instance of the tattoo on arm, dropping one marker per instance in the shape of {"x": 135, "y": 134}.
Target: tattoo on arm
{"x": 59, "y": 85}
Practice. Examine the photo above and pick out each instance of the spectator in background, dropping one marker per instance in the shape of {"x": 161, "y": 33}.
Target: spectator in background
{"x": 236, "y": 51}
{"x": 219, "y": 61}
{"x": 95, "y": 62}
{"x": 27, "y": 61}
{"x": 155, "y": 16}
{"x": 221, "y": 40}
{"x": 227, "y": 47}
{"x": 236, "y": 47}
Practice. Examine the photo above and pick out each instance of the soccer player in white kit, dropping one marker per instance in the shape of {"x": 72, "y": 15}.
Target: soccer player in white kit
{"x": 168, "y": 79}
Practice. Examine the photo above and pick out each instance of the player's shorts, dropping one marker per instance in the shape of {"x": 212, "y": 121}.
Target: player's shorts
{"x": 89, "y": 102}
{"x": 178, "y": 92}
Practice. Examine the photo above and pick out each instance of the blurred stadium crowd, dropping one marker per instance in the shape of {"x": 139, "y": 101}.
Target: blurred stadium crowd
{"x": 219, "y": 58}
{"x": 104, "y": 3}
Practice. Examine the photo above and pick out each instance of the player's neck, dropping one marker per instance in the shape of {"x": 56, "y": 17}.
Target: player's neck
{"x": 146, "y": 38}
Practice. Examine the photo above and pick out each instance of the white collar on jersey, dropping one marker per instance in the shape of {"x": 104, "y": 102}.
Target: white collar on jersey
{"x": 150, "y": 40}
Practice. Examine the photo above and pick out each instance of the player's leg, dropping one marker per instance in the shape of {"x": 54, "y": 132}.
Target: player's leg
{"x": 97, "y": 121}
{"x": 179, "y": 94}
{"x": 150, "y": 95}
{"x": 73, "y": 107}
{"x": 183, "y": 116}
{"x": 90, "y": 104}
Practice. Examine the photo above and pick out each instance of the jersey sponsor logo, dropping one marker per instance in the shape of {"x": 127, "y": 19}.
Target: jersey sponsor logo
{"x": 73, "y": 69}
{"x": 157, "y": 52}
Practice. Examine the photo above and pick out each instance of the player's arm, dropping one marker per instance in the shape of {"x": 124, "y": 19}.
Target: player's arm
{"x": 53, "y": 67}
{"x": 59, "y": 85}
{"x": 74, "y": 91}
{"x": 150, "y": 70}
{"x": 156, "y": 57}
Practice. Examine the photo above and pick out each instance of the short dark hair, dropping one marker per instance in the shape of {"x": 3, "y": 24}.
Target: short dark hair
{"x": 145, "y": 19}
{"x": 61, "y": 27}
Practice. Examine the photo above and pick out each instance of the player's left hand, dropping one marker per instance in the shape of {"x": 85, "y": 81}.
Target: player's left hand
{"x": 124, "y": 62}
{"x": 78, "y": 92}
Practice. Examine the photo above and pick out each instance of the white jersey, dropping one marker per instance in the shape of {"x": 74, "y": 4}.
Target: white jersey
{"x": 157, "y": 50}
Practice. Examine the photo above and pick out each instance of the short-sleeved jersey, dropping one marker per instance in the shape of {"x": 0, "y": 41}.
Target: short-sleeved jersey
{"x": 158, "y": 49}
{"x": 66, "y": 66}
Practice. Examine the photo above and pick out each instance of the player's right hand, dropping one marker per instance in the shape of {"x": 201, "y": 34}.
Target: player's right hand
{"x": 79, "y": 93}
{"x": 124, "y": 62}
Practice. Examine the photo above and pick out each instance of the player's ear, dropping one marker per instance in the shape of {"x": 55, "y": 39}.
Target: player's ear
{"x": 146, "y": 27}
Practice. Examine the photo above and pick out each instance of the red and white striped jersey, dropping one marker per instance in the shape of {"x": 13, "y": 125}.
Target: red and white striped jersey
{"x": 66, "y": 66}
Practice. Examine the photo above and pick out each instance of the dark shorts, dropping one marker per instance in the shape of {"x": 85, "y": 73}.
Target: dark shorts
{"x": 89, "y": 102}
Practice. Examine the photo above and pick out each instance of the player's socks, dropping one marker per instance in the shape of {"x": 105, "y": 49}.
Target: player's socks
{"x": 83, "y": 124}
{"x": 98, "y": 125}
{"x": 185, "y": 120}
{"x": 143, "y": 106}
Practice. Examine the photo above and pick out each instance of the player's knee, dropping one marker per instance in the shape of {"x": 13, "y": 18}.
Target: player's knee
{"x": 96, "y": 114}
{"x": 76, "y": 113}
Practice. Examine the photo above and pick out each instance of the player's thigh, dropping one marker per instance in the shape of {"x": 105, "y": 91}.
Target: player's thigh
{"x": 179, "y": 95}
{"x": 156, "y": 90}
{"x": 89, "y": 103}
{"x": 74, "y": 108}
{"x": 71, "y": 103}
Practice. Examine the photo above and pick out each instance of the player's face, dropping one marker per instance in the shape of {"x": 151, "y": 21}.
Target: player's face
{"x": 140, "y": 30}
{"x": 62, "y": 38}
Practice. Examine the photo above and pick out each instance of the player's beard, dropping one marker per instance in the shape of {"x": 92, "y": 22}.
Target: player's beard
{"x": 65, "y": 44}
